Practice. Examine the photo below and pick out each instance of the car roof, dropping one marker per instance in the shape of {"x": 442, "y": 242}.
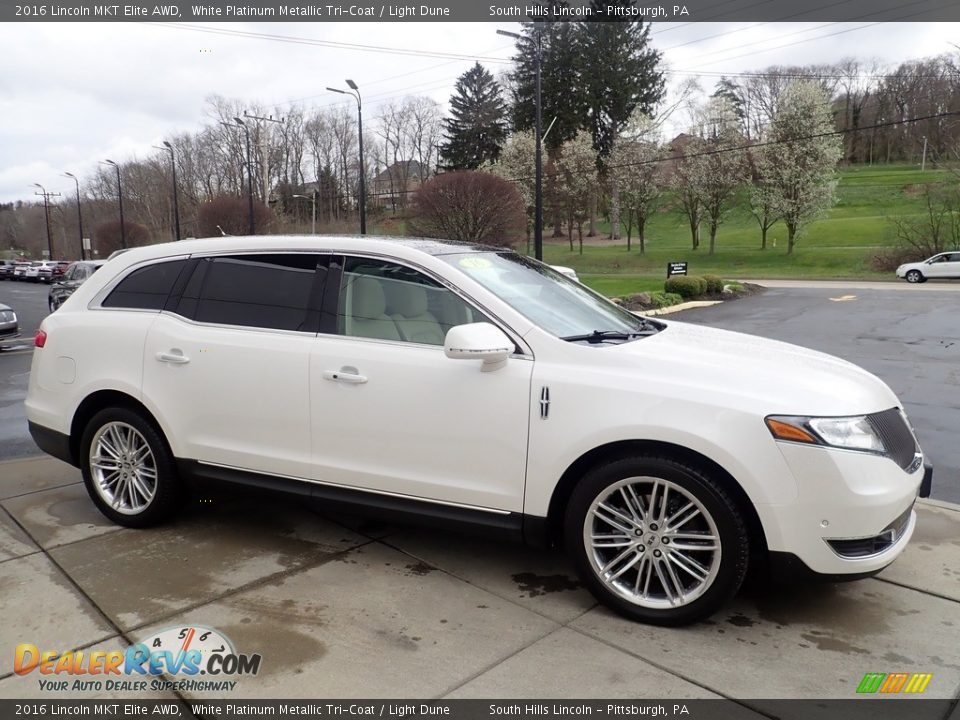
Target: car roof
{"x": 323, "y": 243}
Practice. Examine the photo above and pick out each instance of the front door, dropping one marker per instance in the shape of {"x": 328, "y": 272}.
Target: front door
{"x": 391, "y": 413}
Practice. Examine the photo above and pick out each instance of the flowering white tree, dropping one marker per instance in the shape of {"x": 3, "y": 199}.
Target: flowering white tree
{"x": 517, "y": 163}
{"x": 577, "y": 168}
{"x": 635, "y": 169}
{"x": 803, "y": 157}
{"x": 719, "y": 169}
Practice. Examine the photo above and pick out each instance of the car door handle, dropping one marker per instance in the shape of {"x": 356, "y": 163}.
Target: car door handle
{"x": 174, "y": 357}
{"x": 345, "y": 375}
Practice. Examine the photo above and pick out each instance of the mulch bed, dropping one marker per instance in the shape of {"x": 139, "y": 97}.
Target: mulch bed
{"x": 641, "y": 301}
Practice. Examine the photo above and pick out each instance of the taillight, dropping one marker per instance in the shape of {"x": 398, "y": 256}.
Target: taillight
{"x": 40, "y": 339}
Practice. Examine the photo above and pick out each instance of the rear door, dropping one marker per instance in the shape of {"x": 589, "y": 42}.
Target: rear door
{"x": 226, "y": 364}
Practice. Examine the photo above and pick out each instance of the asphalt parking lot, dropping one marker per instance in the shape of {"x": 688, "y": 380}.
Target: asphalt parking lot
{"x": 342, "y": 607}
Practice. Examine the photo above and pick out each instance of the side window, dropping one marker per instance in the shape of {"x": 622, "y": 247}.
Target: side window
{"x": 146, "y": 288}
{"x": 388, "y": 301}
{"x": 265, "y": 291}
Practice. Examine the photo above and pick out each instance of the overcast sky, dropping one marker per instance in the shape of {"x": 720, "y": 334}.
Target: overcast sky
{"x": 73, "y": 94}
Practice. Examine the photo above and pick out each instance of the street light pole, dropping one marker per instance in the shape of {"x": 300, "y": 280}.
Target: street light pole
{"x": 176, "y": 209}
{"x": 363, "y": 191}
{"x": 123, "y": 227}
{"x": 79, "y": 214}
{"x": 46, "y": 213}
{"x": 313, "y": 200}
{"x": 538, "y": 122}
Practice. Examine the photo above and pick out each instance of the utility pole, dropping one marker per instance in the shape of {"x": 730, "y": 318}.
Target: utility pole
{"x": 167, "y": 147}
{"x": 46, "y": 211}
{"x": 923, "y": 163}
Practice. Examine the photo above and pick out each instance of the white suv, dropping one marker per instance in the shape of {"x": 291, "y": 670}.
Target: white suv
{"x": 471, "y": 384}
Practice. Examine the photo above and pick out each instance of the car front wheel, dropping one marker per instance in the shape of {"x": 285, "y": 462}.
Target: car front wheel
{"x": 915, "y": 276}
{"x": 127, "y": 468}
{"x": 657, "y": 540}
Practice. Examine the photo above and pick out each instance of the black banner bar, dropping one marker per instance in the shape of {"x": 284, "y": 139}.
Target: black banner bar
{"x": 854, "y": 709}
{"x": 479, "y": 11}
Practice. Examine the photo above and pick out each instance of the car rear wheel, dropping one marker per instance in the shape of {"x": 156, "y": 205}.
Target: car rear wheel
{"x": 52, "y": 304}
{"x": 128, "y": 470}
{"x": 915, "y": 276}
{"x": 657, "y": 540}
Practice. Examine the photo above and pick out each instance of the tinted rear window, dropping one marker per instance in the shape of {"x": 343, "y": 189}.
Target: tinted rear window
{"x": 146, "y": 288}
{"x": 266, "y": 291}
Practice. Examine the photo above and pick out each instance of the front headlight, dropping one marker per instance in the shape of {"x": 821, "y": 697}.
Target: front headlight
{"x": 849, "y": 433}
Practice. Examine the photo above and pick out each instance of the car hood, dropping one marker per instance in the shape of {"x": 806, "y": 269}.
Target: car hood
{"x": 771, "y": 376}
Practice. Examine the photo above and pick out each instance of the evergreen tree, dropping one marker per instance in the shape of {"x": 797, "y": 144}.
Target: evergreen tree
{"x": 477, "y": 126}
{"x": 559, "y": 86}
{"x": 618, "y": 73}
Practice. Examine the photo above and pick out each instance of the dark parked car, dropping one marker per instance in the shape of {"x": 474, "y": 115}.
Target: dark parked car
{"x": 73, "y": 278}
{"x": 9, "y": 326}
{"x": 6, "y": 269}
{"x": 53, "y": 270}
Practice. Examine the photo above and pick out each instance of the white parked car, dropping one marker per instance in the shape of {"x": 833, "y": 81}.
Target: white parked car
{"x": 941, "y": 266}
{"x": 569, "y": 272}
{"x": 449, "y": 382}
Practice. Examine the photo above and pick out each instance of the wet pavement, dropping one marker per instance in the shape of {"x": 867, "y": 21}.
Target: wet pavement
{"x": 342, "y": 607}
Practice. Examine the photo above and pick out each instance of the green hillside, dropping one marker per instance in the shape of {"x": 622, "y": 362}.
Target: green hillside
{"x": 837, "y": 246}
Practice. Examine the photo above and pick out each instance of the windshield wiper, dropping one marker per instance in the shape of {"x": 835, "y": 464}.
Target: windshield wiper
{"x": 598, "y": 336}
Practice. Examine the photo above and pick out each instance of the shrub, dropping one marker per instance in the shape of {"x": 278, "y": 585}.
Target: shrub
{"x": 686, "y": 286}
{"x": 232, "y": 214}
{"x": 469, "y": 206}
{"x": 665, "y": 299}
{"x": 889, "y": 260}
{"x": 714, "y": 284}
{"x": 734, "y": 287}
{"x": 109, "y": 238}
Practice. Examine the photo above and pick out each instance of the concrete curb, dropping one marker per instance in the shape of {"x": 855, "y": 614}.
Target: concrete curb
{"x": 681, "y": 307}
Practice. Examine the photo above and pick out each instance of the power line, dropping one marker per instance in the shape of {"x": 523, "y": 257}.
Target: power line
{"x": 327, "y": 43}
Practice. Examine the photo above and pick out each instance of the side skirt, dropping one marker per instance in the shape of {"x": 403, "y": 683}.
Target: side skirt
{"x": 514, "y": 527}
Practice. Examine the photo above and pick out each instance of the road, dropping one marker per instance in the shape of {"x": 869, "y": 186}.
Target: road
{"x": 906, "y": 334}
{"x": 909, "y": 339}
{"x": 29, "y": 301}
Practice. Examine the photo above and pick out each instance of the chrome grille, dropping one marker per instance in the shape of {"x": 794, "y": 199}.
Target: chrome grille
{"x": 896, "y": 436}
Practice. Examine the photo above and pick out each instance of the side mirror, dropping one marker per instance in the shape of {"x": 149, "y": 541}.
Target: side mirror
{"x": 478, "y": 341}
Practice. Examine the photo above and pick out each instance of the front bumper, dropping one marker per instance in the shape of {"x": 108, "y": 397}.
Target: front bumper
{"x": 853, "y": 514}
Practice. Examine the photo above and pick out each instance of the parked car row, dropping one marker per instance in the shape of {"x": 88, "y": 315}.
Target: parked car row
{"x": 47, "y": 271}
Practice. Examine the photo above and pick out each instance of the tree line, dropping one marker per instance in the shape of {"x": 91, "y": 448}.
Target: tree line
{"x": 605, "y": 148}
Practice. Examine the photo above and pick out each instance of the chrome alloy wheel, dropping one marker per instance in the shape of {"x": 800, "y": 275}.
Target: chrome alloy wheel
{"x": 652, "y": 542}
{"x": 123, "y": 468}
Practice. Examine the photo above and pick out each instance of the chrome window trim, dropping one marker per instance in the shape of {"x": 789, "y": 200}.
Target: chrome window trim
{"x": 97, "y": 300}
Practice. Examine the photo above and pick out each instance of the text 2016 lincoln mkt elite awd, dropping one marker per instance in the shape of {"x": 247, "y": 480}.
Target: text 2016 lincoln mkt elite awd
{"x": 462, "y": 383}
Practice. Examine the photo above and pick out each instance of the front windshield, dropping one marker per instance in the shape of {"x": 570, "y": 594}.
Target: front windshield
{"x": 557, "y": 304}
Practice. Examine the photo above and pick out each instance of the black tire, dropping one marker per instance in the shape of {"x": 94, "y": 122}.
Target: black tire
{"x": 728, "y": 566}
{"x": 915, "y": 276}
{"x": 167, "y": 489}
{"x": 52, "y": 304}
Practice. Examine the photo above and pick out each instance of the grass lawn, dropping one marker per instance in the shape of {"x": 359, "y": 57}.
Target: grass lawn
{"x": 837, "y": 246}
